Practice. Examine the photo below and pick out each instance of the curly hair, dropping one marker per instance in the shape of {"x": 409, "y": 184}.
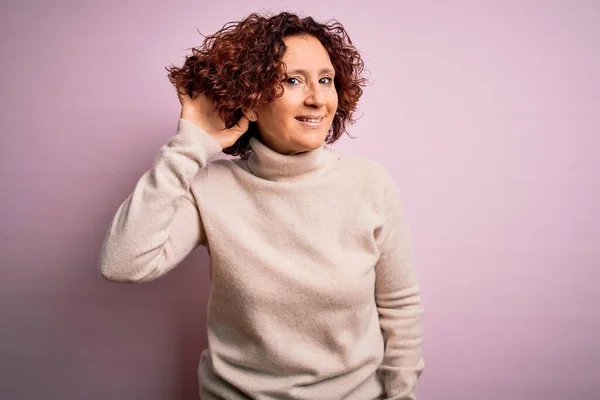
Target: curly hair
{"x": 240, "y": 67}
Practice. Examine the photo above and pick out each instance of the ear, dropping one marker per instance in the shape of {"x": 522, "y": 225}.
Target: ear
{"x": 250, "y": 114}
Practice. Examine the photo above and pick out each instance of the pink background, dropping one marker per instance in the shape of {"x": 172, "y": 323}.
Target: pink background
{"x": 487, "y": 113}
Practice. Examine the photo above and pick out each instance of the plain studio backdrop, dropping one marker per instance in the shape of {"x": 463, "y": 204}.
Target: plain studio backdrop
{"x": 487, "y": 114}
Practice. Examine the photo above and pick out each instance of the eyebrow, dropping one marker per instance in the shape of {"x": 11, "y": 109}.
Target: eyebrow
{"x": 303, "y": 71}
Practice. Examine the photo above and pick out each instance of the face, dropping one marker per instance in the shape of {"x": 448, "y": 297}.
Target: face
{"x": 299, "y": 120}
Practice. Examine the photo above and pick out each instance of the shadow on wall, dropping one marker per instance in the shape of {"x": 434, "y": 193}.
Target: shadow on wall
{"x": 165, "y": 324}
{"x": 65, "y": 332}
{"x": 162, "y": 326}
{"x": 192, "y": 288}
{"x": 163, "y": 321}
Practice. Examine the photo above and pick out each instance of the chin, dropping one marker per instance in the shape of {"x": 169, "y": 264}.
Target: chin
{"x": 313, "y": 143}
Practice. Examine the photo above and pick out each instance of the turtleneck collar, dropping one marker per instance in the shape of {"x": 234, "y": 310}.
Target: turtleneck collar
{"x": 271, "y": 165}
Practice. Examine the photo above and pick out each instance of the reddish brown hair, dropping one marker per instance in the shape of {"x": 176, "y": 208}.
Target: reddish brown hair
{"x": 239, "y": 67}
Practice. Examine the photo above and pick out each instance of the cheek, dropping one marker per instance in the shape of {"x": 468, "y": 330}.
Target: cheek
{"x": 269, "y": 117}
{"x": 274, "y": 119}
{"x": 283, "y": 107}
{"x": 333, "y": 103}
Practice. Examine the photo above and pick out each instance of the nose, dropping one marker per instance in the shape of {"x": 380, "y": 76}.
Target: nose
{"x": 314, "y": 96}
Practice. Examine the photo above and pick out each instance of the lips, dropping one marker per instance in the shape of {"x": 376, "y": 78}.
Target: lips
{"x": 313, "y": 119}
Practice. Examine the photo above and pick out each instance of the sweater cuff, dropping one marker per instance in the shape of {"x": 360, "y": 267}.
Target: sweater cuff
{"x": 198, "y": 135}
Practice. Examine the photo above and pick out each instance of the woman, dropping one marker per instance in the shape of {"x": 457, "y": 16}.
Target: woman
{"x": 314, "y": 294}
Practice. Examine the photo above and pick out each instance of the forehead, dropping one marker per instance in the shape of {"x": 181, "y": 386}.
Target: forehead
{"x": 305, "y": 52}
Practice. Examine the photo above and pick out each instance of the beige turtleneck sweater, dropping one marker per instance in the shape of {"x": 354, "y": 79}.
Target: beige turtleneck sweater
{"x": 314, "y": 293}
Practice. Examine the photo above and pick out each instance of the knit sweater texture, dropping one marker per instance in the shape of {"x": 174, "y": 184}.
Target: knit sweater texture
{"x": 313, "y": 287}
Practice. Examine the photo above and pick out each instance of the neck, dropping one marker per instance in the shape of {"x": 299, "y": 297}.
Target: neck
{"x": 267, "y": 163}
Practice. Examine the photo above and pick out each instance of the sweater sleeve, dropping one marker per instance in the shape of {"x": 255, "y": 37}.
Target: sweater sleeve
{"x": 159, "y": 224}
{"x": 398, "y": 299}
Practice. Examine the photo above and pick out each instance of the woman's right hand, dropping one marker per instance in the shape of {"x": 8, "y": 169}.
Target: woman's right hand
{"x": 201, "y": 112}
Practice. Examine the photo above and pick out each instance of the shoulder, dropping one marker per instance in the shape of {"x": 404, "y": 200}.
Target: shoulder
{"x": 371, "y": 179}
{"x": 216, "y": 170}
{"x": 362, "y": 167}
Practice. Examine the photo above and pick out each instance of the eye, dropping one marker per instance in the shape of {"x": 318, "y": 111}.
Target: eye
{"x": 292, "y": 80}
{"x": 326, "y": 80}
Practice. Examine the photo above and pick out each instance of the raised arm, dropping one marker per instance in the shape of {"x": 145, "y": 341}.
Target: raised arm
{"x": 159, "y": 224}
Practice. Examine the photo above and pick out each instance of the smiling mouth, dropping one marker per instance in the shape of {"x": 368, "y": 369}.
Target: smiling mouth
{"x": 309, "y": 119}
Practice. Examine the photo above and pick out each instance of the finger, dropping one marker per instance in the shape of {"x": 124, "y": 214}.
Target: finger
{"x": 246, "y": 113}
{"x": 180, "y": 89}
{"x": 241, "y": 125}
{"x": 182, "y": 93}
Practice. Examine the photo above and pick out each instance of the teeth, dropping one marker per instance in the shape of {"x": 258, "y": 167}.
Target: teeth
{"x": 314, "y": 120}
